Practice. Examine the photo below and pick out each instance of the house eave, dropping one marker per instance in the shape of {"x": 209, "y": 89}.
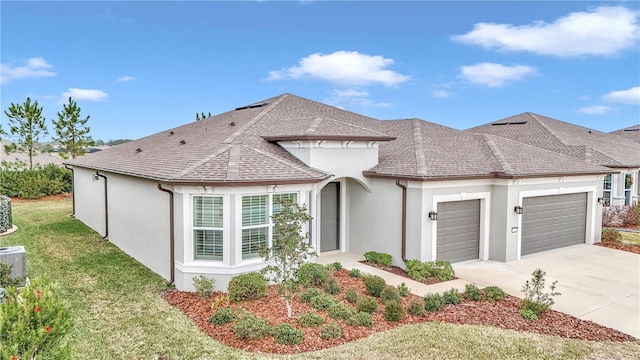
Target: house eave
{"x": 276, "y": 138}
{"x": 479, "y": 176}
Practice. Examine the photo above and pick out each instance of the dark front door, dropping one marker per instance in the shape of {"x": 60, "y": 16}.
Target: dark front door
{"x": 330, "y": 217}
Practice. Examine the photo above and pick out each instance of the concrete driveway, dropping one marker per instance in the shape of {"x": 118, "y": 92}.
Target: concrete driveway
{"x": 597, "y": 284}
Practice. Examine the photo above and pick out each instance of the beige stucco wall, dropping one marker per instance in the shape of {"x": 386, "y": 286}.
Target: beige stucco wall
{"x": 88, "y": 195}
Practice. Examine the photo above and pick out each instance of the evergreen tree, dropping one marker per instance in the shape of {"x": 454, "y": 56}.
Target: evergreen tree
{"x": 71, "y": 131}
{"x": 26, "y": 125}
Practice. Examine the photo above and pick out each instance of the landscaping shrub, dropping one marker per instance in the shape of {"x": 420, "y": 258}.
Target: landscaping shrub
{"x": 331, "y": 285}
{"x": 204, "y": 286}
{"x": 335, "y": 266}
{"x": 494, "y": 294}
{"x": 351, "y": 294}
{"x": 439, "y": 269}
{"x": 360, "y": 319}
{"x": 611, "y": 236}
{"x": 5, "y": 280}
{"x": 377, "y": 258}
{"x": 403, "y": 290}
{"x": 247, "y": 286}
{"x": 287, "y": 334}
{"x": 471, "y": 292}
{"x": 222, "y": 316}
{"x": 374, "y": 284}
{"x": 322, "y": 302}
{"x": 536, "y": 299}
{"x": 331, "y": 331}
{"x": 310, "y": 319}
{"x": 433, "y": 302}
{"x": 367, "y": 304}
{"x": 341, "y": 311}
{"x": 312, "y": 274}
{"x": 35, "y": 183}
{"x": 250, "y": 327}
{"x": 309, "y": 294}
{"x": 390, "y": 293}
{"x": 451, "y": 297}
{"x": 355, "y": 273}
{"x": 393, "y": 311}
{"x": 528, "y": 314}
{"x": 619, "y": 216}
{"x": 6, "y": 219}
{"x": 416, "y": 307}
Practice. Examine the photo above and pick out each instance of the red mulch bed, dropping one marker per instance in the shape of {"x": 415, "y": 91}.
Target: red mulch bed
{"x": 504, "y": 314}
{"x": 620, "y": 246}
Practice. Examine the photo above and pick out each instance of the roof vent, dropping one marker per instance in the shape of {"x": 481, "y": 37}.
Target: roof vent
{"x": 257, "y": 105}
{"x": 182, "y": 142}
{"x": 138, "y": 150}
{"x": 232, "y": 124}
{"x": 510, "y": 123}
{"x": 589, "y": 131}
{"x": 171, "y": 133}
{"x": 631, "y": 129}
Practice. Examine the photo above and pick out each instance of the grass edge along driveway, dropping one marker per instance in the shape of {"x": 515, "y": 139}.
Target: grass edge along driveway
{"x": 119, "y": 314}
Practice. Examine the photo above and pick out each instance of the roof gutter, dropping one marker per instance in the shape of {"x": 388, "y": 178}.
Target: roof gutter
{"x": 106, "y": 206}
{"x": 172, "y": 271}
{"x": 73, "y": 188}
{"x": 404, "y": 219}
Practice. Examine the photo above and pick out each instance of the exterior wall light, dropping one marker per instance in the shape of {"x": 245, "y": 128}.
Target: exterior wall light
{"x": 519, "y": 210}
{"x": 433, "y": 215}
{"x": 600, "y": 200}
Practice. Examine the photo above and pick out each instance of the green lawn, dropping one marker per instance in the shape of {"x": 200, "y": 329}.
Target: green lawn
{"x": 118, "y": 313}
{"x": 630, "y": 237}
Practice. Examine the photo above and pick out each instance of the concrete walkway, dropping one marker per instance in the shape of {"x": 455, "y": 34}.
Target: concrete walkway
{"x": 597, "y": 284}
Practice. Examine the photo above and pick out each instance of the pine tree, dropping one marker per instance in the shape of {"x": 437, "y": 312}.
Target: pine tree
{"x": 71, "y": 131}
{"x": 26, "y": 125}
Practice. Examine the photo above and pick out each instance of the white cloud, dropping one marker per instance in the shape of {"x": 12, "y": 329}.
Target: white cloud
{"x": 442, "y": 93}
{"x": 585, "y": 97}
{"x": 629, "y": 96}
{"x": 33, "y": 69}
{"x": 125, "y": 79}
{"x": 594, "y": 110}
{"x": 602, "y": 31}
{"x": 494, "y": 75}
{"x": 353, "y": 97}
{"x": 84, "y": 94}
{"x": 343, "y": 67}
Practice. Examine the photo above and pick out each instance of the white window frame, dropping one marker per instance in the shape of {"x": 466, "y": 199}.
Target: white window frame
{"x": 628, "y": 191}
{"x": 607, "y": 201}
{"x": 269, "y": 225}
{"x": 221, "y": 229}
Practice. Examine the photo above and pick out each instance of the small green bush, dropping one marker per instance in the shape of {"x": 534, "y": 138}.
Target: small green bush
{"x": 309, "y": 294}
{"x": 374, "y": 285}
{"x": 471, "y": 292}
{"x": 35, "y": 183}
{"x": 390, "y": 293}
{"x": 287, "y": 334}
{"x": 5, "y": 279}
{"x": 331, "y": 331}
{"x": 416, "y": 307}
{"x": 360, "y": 319}
{"x": 335, "y": 266}
{"x": 312, "y": 274}
{"x": 250, "y": 327}
{"x": 393, "y": 311}
{"x": 247, "y": 286}
{"x": 451, "y": 297}
{"x": 322, "y": 302}
{"x": 611, "y": 236}
{"x": 377, "y": 258}
{"x": 355, "y": 273}
{"x": 204, "y": 286}
{"x": 433, "y": 302}
{"x": 494, "y": 294}
{"x": 222, "y": 316}
{"x": 528, "y": 314}
{"x": 341, "y": 311}
{"x": 331, "y": 285}
{"x": 439, "y": 269}
{"x": 351, "y": 294}
{"x": 367, "y": 304}
{"x": 403, "y": 290}
{"x": 310, "y": 319}
{"x": 536, "y": 298}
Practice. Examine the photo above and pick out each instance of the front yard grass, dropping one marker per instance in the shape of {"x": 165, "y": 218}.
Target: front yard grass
{"x": 118, "y": 313}
{"x": 631, "y": 238}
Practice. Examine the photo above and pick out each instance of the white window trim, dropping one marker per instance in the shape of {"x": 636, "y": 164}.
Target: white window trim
{"x": 189, "y": 251}
{"x": 610, "y": 190}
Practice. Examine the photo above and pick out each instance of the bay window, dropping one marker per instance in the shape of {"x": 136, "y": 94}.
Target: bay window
{"x": 256, "y": 221}
{"x": 207, "y": 227}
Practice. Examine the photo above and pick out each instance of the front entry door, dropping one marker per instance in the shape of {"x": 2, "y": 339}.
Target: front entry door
{"x": 330, "y": 217}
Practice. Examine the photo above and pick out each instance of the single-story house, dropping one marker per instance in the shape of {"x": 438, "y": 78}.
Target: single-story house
{"x": 631, "y": 132}
{"x": 197, "y": 199}
{"x": 22, "y": 157}
{"x": 620, "y": 154}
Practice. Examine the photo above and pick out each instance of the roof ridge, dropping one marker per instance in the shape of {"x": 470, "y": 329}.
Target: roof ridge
{"x": 555, "y": 135}
{"x": 304, "y": 169}
{"x": 254, "y": 120}
{"x": 314, "y": 125}
{"x": 506, "y": 168}
{"x": 203, "y": 161}
{"x": 421, "y": 165}
{"x": 233, "y": 166}
{"x": 353, "y": 125}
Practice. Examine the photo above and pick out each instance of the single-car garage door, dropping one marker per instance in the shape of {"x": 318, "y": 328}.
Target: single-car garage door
{"x": 458, "y": 230}
{"x": 551, "y": 222}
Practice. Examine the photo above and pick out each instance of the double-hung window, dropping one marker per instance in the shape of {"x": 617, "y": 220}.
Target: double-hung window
{"x": 606, "y": 192}
{"x": 207, "y": 227}
{"x": 256, "y": 221}
{"x": 628, "y": 184}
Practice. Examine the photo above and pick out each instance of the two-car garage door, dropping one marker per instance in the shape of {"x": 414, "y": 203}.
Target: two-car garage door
{"x": 551, "y": 222}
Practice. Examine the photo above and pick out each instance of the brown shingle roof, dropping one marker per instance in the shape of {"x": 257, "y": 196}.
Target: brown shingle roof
{"x": 565, "y": 138}
{"x": 21, "y": 156}
{"x": 631, "y": 132}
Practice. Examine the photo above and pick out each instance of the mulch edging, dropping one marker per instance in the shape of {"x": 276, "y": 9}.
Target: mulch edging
{"x": 621, "y": 246}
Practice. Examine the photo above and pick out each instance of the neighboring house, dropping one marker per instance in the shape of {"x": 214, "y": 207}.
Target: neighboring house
{"x": 632, "y": 132}
{"x": 197, "y": 199}
{"x": 23, "y": 157}
{"x": 620, "y": 154}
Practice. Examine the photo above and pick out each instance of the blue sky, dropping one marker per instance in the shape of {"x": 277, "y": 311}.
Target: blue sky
{"x": 138, "y": 68}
